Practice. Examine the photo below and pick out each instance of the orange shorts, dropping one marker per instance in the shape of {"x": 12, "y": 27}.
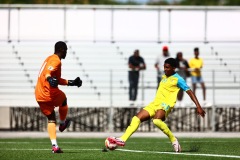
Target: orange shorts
{"x": 48, "y": 107}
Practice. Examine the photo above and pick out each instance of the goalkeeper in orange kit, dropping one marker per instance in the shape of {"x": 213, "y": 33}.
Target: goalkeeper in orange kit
{"x": 49, "y": 96}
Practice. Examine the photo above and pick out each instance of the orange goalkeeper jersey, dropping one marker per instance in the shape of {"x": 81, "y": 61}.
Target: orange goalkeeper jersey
{"x": 51, "y": 67}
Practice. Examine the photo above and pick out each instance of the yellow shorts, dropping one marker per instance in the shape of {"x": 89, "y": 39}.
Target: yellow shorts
{"x": 152, "y": 109}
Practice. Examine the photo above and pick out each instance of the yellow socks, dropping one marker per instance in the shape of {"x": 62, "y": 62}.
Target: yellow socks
{"x": 136, "y": 122}
{"x": 52, "y": 130}
{"x": 131, "y": 128}
{"x": 164, "y": 128}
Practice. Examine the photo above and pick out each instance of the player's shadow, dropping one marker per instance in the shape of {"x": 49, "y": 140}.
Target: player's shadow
{"x": 192, "y": 148}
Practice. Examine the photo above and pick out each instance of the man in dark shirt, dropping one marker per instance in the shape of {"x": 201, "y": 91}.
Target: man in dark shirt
{"x": 135, "y": 64}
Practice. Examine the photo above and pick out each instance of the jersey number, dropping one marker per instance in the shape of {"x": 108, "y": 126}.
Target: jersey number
{"x": 43, "y": 66}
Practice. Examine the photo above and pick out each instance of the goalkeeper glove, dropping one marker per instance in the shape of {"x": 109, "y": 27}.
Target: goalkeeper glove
{"x": 77, "y": 82}
{"x": 52, "y": 81}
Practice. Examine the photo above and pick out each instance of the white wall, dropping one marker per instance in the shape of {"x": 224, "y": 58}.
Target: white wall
{"x": 4, "y": 117}
{"x": 103, "y": 23}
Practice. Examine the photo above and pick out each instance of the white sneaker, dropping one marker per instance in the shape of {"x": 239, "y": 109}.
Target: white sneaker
{"x": 206, "y": 104}
{"x": 131, "y": 103}
{"x": 176, "y": 146}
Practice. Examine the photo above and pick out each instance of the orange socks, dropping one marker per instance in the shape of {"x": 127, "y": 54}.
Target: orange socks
{"x": 52, "y": 126}
{"x": 52, "y": 130}
{"x": 52, "y": 133}
{"x": 63, "y": 110}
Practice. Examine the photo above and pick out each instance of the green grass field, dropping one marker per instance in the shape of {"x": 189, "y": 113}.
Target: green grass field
{"x": 135, "y": 149}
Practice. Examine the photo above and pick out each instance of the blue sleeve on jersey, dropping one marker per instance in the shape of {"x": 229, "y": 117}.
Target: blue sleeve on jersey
{"x": 182, "y": 84}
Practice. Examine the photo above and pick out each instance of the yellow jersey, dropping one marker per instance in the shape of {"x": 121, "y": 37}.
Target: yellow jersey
{"x": 168, "y": 90}
{"x": 196, "y": 63}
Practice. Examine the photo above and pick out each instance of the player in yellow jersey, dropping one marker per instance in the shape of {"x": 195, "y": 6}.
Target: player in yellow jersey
{"x": 49, "y": 96}
{"x": 159, "y": 109}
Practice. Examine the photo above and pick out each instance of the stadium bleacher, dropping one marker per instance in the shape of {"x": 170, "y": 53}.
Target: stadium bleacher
{"x": 104, "y": 71}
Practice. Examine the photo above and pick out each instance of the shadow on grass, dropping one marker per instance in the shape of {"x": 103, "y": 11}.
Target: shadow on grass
{"x": 192, "y": 148}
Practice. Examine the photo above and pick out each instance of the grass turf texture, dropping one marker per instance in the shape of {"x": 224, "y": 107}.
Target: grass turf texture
{"x": 135, "y": 149}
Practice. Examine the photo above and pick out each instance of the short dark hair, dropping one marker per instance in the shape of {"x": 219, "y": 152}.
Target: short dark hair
{"x": 172, "y": 62}
{"x": 196, "y": 49}
{"x": 60, "y": 45}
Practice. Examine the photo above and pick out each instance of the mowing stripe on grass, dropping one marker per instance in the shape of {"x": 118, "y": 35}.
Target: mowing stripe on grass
{"x": 187, "y": 154}
{"x": 14, "y": 142}
{"x": 17, "y": 149}
{"x": 134, "y": 151}
{"x": 64, "y": 142}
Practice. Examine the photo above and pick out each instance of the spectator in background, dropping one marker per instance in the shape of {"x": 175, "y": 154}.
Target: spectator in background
{"x": 135, "y": 64}
{"x": 182, "y": 70}
{"x": 160, "y": 62}
{"x": 196, "y": 65}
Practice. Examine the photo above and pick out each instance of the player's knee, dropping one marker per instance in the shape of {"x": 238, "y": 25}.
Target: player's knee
{"x": 136, "y": 120}
{"x": 51, "y": 121}
{"x": 52, "y": 117}
{"x": 157, "y": 121}
{"x": 64, "y": 102}
{"x": 154, "y": 121}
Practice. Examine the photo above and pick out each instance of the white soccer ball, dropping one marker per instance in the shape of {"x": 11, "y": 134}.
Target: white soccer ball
{"x": 110, "y": 145}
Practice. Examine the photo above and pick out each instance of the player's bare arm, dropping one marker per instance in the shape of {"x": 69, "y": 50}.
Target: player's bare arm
{"x": 200, "y": 111}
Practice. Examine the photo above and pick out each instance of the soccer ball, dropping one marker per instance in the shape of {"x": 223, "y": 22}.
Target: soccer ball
{"x": 109, "y": 145}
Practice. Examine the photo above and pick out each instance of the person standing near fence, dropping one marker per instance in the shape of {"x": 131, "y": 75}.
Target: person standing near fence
{"x": 160, "y": 62}
{"x": 196, "y": 65}
{"x": 49, "y": 96}
{"x": 136, "y": 64}
{"x": 182, "y": 70}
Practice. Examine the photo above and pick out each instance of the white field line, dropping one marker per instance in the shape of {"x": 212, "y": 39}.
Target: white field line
{"x": 134, "y": 151}
{"x": 187, "y": 154}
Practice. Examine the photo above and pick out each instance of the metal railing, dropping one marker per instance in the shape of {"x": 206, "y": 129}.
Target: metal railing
{"x": 226, "y": 119}
{"x": 213, "y": 78}
{"x": 108, "y": 23}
